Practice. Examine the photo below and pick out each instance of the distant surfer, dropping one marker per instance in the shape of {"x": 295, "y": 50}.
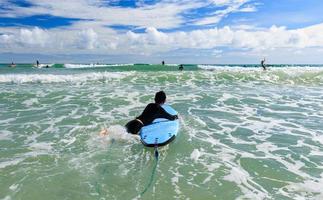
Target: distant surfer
{"x": 37, "y": 63}
{"x": 263, "y": 64}
{"x": 150, "y": 113}
{"x": 181, "y": 68}
{"x": 163, "y": 62}
{"x": 12, "y": 65}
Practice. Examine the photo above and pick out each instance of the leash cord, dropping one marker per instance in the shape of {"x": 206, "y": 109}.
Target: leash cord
{"x": 156, "y": 153}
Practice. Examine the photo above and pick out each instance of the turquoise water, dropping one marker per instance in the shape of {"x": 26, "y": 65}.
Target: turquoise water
{"x": 244, "y": 133}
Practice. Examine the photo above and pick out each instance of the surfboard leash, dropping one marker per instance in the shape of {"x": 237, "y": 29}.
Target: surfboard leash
{"x": 156, "y": 153}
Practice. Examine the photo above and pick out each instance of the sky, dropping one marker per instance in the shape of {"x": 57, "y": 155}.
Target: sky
{"x": 149, "y": 31}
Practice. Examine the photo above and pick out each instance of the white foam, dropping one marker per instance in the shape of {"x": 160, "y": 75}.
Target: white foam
{"x": 114, "y": 133}
{"x": 296, "y": 69}
{"x": 30, "y": 102}
{"x": 94, "y": 65}
{"x": 69, "y": 141}
{"x": 318, "y": 138}
{"x": 119, "y": 133}
{"x": 306, "y": 187}
{"x": 7, "y": 121}
{"x": 171, "y": 64}
{"x": 4, "y": 164}
{"x": 54, "y": 78}
{"x": 212, "y": 166}
{"x": 288, "y": 75}
{"x": 5, "y": 135}
{"x": 213, "y": 67}
{"x": 242, "y": 178}
{"x": 43, "y": 65}
{"x": 40, "y": 148}
{"x": 195, "y": 155}
{"x": 7, "y": 198}
{"x": 175, "y": 181}
{"x": 14, "y": 187}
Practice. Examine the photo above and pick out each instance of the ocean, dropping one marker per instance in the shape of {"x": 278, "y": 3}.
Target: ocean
{"x": 244, "y": 133}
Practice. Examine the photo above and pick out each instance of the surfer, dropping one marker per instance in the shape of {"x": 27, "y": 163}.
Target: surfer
{"x": 12, "y": 64}
{"x": 37, "y": 63}
{"x": 150, "y": 113}
{"x": 163, "y": 62}
{"x": 181, "y": 67}
{"x": 263, "y": 64}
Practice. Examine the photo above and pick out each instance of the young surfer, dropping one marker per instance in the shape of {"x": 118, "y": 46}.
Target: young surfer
{"x": 150, "y": 113}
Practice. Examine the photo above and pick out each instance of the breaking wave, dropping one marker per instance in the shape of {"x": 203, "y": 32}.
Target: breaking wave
{"x": 93, "y": 65}
{"x": 56, "y": 78}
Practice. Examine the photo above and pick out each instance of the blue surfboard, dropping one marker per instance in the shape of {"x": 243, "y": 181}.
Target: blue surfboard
{"x": 161, "y": 131}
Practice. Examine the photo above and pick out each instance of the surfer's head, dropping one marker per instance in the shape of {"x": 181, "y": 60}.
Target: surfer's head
{"x": 160, "y": 97}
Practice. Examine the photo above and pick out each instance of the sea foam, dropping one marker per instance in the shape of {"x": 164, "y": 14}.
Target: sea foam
{"x": 67, "y": 65}
{"x": 57, "y": 78}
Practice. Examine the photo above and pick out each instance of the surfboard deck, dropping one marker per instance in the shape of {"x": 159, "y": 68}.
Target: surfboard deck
{"x": 161, "y": 131}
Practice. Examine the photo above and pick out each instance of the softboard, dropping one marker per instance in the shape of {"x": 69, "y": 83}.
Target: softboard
{"x": 161, "y": 131}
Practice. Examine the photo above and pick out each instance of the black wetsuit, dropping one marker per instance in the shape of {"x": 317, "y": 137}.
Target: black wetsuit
{"x": 181, "y": 67}
{"x": 263, "y": 65}
{"x": 152, "y": 112}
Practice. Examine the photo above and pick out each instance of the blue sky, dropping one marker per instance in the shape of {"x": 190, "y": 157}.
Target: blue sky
{"x": 147, "y": 31}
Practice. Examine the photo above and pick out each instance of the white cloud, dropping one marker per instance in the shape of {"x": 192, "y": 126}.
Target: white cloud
{"x": 227, "y": 2}
{"x": 232, "y": 6}
{"x": 248, "y": 8}
{"x": 94, "y": 37}
{"x": 88, "y": 39}
{"x": 165, "y": 14}
{"x": 260, "y": 40}
{"x": 33, "y": 37}
{"x": 160, "y": 15}
{"x": 154, "y": 41}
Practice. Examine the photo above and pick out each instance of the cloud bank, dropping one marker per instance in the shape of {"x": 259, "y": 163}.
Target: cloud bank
{"x": 157, "y": 29}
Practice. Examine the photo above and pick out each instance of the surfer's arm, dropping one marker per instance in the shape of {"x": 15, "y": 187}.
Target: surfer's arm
{"x": 164, "y": 114}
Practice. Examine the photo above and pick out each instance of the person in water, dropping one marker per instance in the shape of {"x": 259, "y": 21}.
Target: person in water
{"x": 181, "y": 67}
{"x": 150, "y": 113}
{"x": 12, "y": 64}
{"x": 163, "y": 62}
{"x": 37, "y": 63}
{"x": 263, "y": 64}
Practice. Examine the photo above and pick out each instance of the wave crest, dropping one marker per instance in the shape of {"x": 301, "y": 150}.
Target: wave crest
{"x": 93, "y": 65}
{"x": 55, "y": 78}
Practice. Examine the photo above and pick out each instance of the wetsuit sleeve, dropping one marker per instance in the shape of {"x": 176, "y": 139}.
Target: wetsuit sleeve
{"x": 164, "y": 114}
{"x": 147, "y": 116}
{"x": 154, "y": 111}
{"x": 147, "y": 111}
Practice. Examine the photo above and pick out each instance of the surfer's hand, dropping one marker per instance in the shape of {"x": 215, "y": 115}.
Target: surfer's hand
{"x": 104, "y": 132}
{"x": 175, "y": 117}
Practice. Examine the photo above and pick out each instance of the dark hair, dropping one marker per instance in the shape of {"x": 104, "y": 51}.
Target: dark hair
{"x": 133, "y": 126}
{"x": 160, "y": 97}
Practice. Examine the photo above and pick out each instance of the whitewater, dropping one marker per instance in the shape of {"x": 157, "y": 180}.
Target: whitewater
{"x": 244, "y": 133}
